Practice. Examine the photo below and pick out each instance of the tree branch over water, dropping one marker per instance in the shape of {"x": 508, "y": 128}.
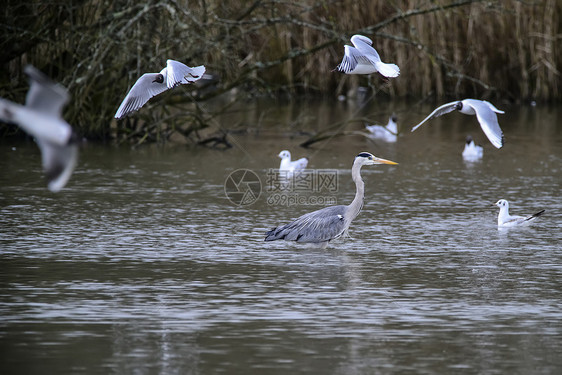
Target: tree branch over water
{"x": 266, "y": 47}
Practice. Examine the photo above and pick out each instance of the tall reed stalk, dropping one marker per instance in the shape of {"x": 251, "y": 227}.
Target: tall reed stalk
{"x": 447, "y": 48}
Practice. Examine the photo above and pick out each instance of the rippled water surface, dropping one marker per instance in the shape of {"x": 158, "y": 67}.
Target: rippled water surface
{"x": 143, "y": 265}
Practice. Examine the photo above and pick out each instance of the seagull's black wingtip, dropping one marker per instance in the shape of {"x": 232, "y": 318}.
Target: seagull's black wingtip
{"x": 538, "y": 213}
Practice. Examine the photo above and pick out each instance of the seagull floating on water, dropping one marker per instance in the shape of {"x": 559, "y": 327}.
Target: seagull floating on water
{"x": 388, "y": 133}
{"x": 485, "y": 113}
{"x": 472, "y": 151}
{"x": 41, "y": 118}
{"x": 287, "y": 166}
{"x": 151, "y": 84}
{"x": 507, "y": 220}
{"x": 364, "y": 59}
{"x": 321, "y": 226}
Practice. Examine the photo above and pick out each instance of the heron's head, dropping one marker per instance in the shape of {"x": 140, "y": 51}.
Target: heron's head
{"x": 285, "y": 154}
{"x": 502, "y": 203}
{"x": 366, "y": 158}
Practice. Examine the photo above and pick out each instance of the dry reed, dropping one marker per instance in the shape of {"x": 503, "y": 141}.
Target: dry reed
{"x": 98, "y": 48}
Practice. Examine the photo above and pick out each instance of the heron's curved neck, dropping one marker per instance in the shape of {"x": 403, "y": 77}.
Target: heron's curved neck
{"x": 355, "y": 206}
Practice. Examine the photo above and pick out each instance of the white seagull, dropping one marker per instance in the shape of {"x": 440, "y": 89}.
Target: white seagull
{"x": 287, "y": 166}
{"x": 485, "y": 113}
{"x": 507, "y": 220}
{"x": 364, "y": 59}
{"x": 151, "y": 84}
{"x": 41, "y": 118}
{"x": 388, "y": 133}
{"x": 472, "y": 151}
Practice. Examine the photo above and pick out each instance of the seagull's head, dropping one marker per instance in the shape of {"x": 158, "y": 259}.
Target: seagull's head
{"x": 468, "y": 139}
{"x": 458, "y": 106}
{"x": 501, "y": 203}
{"x": 284, "y": 154}
{"x": 394, "y": 118}
{"x": 159, "y": 79}
{"x": 366, "y": 158}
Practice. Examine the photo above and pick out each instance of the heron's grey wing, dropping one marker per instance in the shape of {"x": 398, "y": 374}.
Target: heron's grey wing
{"x": 445, "y": 108}
{"x": 140, "y": 93}
{"x": 488, "y": 121}
{"x": 44, "y": 95}
{"x": 179, "y": 73}
{"x": 318, "y": 226}
{"x": 351, "y": 58}
{"x": 58, "y": 162}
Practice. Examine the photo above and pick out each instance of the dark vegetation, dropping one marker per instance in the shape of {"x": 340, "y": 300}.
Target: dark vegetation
{"x": 445, "y": 49}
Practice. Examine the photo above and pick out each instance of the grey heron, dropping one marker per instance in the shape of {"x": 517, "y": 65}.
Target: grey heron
{"x": 364, "y": 59}
{"x": 151, "y": 84}
{"x": 485, "y": 113}
{"x": 507, "y": 220}
{"x": 322, "y": 226}
{"x": 289, "y": 166}
{"x": 41, "y": 118}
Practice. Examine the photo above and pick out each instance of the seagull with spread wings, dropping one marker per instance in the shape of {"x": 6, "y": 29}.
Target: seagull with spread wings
{"x": 151, "y": 84}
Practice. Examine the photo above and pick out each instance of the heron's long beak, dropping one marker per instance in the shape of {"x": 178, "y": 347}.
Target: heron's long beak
{"x": 384, "y": 161}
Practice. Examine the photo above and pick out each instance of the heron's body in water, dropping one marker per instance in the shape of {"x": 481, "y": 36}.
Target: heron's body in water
{"x": 322, "y": 226}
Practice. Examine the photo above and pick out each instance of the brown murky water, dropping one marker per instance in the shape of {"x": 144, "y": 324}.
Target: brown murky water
{"x": 143, "y": 265}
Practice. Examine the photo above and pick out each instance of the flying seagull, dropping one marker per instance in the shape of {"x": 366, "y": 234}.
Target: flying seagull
{"x": 485, "y": 113}
{"x": 507, "y": 220}
{"x": 322, "y": 226}
{"x": 151, "y": 84}
{"x": 364, "y": 59}
{"x": 41, "y": 118}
